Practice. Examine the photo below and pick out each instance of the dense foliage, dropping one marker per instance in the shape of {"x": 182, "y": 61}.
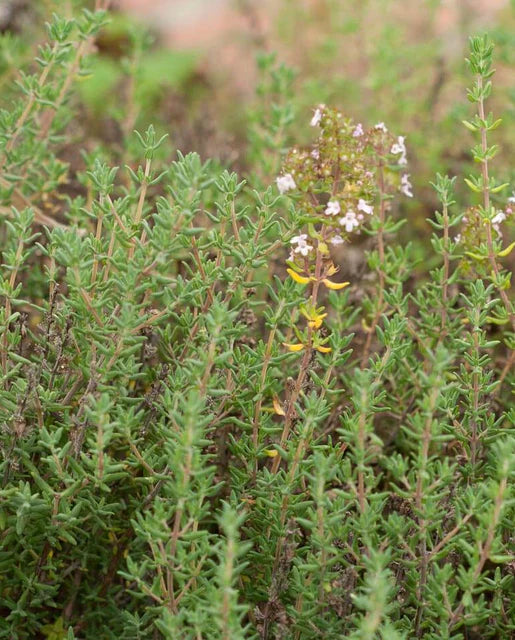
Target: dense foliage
{"x": 206, "y": 430}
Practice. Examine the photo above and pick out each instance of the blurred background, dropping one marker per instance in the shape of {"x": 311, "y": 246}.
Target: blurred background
{"x": 210, "y": 72}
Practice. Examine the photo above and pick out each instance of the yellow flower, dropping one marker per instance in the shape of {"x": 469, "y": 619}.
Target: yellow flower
{"x": 271, "y": 453}
{"x": 323, "y": 349}
{"x": 316, "y": 321}
{"x": 335, "y": 285}
{"x": 297, "y": 277}
{"x": 294, "y": 347}
{"x": 277, "y": 406}
{"x": 507, "y": 251}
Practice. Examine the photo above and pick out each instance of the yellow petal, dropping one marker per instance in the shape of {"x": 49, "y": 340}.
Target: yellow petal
{"x": 297, "y": 277}
{"x": 335, "y": 285}
{"x": 323, "y": 349}
{"x": 323, "y": 248}
{"x": 294, "y": 347}
{"x": 332, "y": 270}
{"x": 277, "y": 406}
{"x": 271, "y": 453}
{"x": 476, "y": 256}
{"x": 507, "y": 251}
{"x": 316, "y": 322}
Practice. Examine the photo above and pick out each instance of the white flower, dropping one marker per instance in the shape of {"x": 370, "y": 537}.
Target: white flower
{"x": 336, "y": 240}
{"x": 499, "y": 217}
{"x": 315, "y": 154}
{"x": 457, "y": 238}
{"x": 365, "y": 207}
{"x": 304, "y": 249}
{"x": 358, "y": 131}
{"x": 285, "y": 183}
{"x": 512, "y": 198}
{"x": 406, "y": 186}
{"x": 380, "y": 126}
{"x": 317, "y": 116}
{"x": 349, "y": 221}
{"x": 333, "y": 208}
{"x": 302, "y": 246}
{"x": 400, "y": 147}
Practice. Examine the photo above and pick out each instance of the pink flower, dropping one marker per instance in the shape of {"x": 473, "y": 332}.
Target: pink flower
{"x": 358, "y": 131}
{"x": 336, "y": 240}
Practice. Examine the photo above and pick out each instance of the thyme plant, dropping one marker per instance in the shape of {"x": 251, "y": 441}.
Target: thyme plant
{"x": 211, "y": 425}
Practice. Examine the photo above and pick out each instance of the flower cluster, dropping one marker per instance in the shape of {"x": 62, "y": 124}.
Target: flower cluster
{"x": 335, "y": 186}
{"x": 334, "y": 181}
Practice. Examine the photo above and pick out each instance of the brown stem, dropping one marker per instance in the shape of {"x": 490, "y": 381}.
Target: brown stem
{"x": 304, "y": 365}
{"x": 380, "y": 269}
{"x": 449, "y": 536}
{"x": 226, "y": 599}
{"x": 8, "y": 307}
{"x": 419, "y": 495}
{"x": 139, "y": 209}
{"x": 485, "y": 549}
{"x": 486, "y": 204}
{"x": 361, "y": 446}
{"x": 474, "y": 437}
{"x": 28, "y": 107}
{"x": 234, "y": 222}
{"x": 48, "y": 119}
{"x": 445, "y": 279}
{"x": 98, "y": 237}
{"x": 257, "y": 410}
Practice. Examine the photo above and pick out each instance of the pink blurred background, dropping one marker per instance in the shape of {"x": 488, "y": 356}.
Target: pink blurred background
{"x": 224, "y": 31}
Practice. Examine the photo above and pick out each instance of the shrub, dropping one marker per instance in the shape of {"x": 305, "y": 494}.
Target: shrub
{"x": 206, "y": 437}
